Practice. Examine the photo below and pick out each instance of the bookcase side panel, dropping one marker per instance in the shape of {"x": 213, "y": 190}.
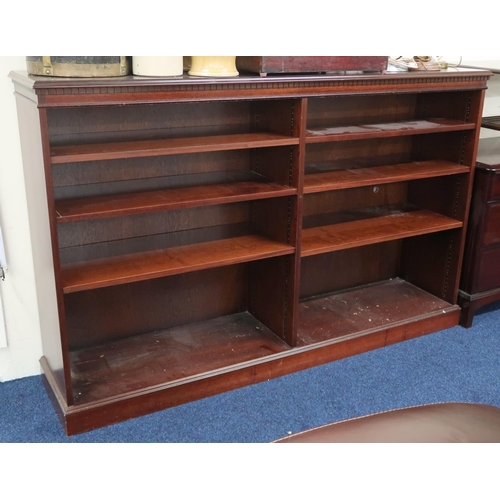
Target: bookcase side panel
{"x": 41, "y": 242}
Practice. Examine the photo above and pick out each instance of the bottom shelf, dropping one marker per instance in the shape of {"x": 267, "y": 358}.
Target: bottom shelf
{"x": 144, "y": 361}
{"x": 179, "y": 354}
{"x": 151, "y": 372}
{"x": 364, "y": 309}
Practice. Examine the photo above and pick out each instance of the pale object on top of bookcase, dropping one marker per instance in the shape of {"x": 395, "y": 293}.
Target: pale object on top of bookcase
{"x": 78, "y": 66}
{"x": 157, "y": 65}
{"x": 213, "y": 66}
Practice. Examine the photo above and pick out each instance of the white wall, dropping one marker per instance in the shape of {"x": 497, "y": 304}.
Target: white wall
{"x": 21, "y": 357}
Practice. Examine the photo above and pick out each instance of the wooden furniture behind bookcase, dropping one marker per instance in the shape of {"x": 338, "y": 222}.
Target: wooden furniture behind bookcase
{"x": 480, "y": 281}
{"x": 200, "y": 235}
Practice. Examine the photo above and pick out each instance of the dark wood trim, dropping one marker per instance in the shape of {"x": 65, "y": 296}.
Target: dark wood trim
{"x": 471, "y": 303}
{"x": 491, "y": 122}
{"x": 131, "y": 89}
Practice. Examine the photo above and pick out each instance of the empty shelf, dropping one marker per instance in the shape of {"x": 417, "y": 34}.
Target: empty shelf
{"x": 157, "y": 263}
{"x": 99, "y": 207}
{"x": 160, "y": 147}
{"x": 396, "y": 129}
{"x": 354, "y": 177}
{"x": 170, "y": 356}
{"x": 368, "y": 231}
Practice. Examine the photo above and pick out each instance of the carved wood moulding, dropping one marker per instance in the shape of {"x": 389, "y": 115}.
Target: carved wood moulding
{"x": 57, "y": 92}
{"x": 305, "y": 83}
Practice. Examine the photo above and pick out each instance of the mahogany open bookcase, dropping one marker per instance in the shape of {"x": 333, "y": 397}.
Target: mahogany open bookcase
{"x": 193, "y": 235}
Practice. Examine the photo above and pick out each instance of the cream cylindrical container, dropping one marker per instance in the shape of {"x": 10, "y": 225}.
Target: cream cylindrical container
{"x": 157, "y": 65}
{"x": 213, "y": 66}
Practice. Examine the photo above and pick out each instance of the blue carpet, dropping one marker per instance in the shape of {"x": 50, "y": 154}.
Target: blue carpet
{"x": 456, "y": 364}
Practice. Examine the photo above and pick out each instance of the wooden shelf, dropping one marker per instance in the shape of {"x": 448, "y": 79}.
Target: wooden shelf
{"x": 380, "y": 130}
{"x": 364, "y": 310}
{"x": 161, "y": 147}
{"x": 216, "y": 346}
{"x": 342, "y": 178}
{"x": 157, "y": 263}
{"x": 168, "y": 199}
{"x": 370, "y": 230}
{"x": 121, "y": 367}
{"x": 170, "y": 356}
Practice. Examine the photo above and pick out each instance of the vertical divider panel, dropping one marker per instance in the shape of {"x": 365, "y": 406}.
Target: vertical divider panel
{"x": 274, "y": 283}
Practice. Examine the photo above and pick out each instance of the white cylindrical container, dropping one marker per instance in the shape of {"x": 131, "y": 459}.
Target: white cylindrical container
{"x": 213, "y": 66}
{"x": 157, "y": 65}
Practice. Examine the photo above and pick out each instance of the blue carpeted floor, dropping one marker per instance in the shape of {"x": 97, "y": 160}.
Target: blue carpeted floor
{"x": 452, "y": 365}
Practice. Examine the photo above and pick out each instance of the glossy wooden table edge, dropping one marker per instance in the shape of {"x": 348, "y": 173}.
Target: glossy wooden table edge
{"x": 488, "y": 168}
{"x": 478, "y": 295}
{"x": 491, "y": 122}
